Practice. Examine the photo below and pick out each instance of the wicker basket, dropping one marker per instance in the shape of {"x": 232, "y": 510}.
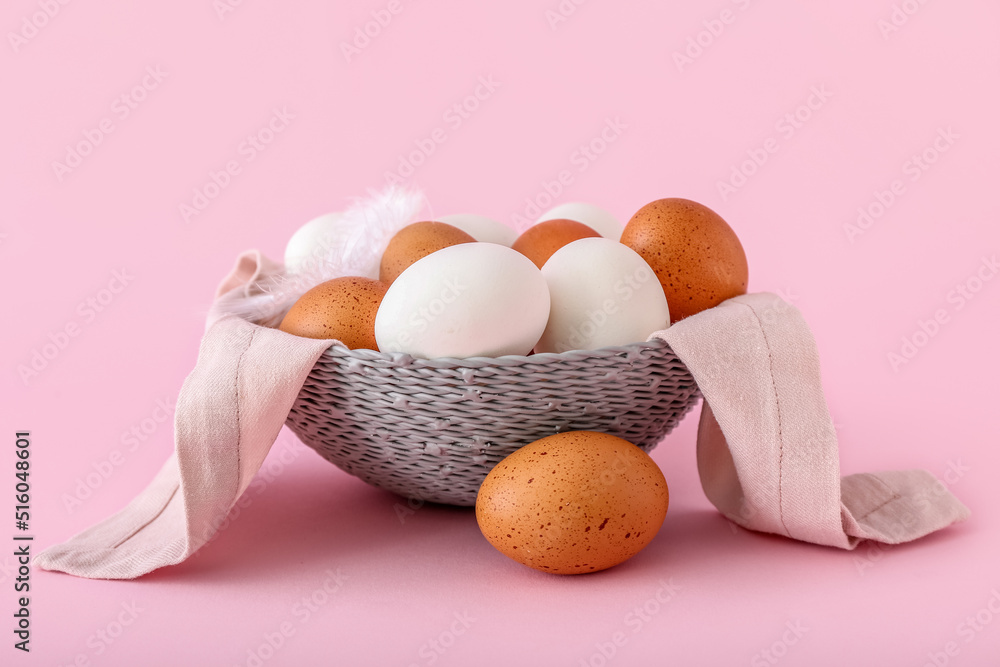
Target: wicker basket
{"x": 432, "y": 429}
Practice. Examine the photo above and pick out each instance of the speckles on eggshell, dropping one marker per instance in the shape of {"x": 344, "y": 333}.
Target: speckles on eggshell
{"x": 560, "y": 509}
{"x": 415, "y": 242}
{"x": 342, "y": 309}
{"x": 694, "y": 253}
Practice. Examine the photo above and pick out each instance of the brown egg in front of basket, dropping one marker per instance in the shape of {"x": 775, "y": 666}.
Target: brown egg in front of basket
{"x": 573, "y": 503}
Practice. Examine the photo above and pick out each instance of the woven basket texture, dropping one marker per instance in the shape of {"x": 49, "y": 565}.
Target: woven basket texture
{"x": 432, "y": 429}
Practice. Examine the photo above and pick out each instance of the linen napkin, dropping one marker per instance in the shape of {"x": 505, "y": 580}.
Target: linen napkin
{"x": 767, "y": 451}
{"x": 229, "y": 412}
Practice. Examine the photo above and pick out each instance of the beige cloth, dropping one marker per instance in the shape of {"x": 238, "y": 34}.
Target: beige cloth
{"x": 229, "y": 412}
{"x": 767, "y": 449}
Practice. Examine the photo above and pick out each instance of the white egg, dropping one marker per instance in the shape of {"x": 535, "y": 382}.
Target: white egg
{"x": 310, "y": 242}
{"x": 467, "y": 300}
{"x": 482, "y": 228}
{"x": 595, "y": 217}
{"x": 603, "y": 293}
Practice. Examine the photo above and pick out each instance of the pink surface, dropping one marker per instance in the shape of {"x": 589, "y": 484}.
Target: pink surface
{"x": 429, "y": 589}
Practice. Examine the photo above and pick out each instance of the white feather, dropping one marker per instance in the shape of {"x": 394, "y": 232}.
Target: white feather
{"x": 353, "y": 248}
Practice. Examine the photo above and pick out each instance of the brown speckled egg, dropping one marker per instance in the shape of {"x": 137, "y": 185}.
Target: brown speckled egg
{"x": 696, "y": 256}
{"x": 540, "y": 242}
{"x": 415, "y": 242}
{"x": 573, "y": 503}
{"x": 343, "y": 309}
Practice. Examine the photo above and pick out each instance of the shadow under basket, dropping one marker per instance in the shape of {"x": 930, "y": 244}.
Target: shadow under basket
{"x": 431, "y": 429}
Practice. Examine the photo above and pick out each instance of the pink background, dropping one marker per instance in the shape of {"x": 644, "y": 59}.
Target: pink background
{"x": 686, "y": 127}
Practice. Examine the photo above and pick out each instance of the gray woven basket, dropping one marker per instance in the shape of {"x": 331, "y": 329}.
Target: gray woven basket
{"x": 432, "y": 429}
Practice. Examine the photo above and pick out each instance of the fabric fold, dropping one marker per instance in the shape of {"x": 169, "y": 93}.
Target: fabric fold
{"x": 767, "y": 449}
{"x": 229, "y": 412}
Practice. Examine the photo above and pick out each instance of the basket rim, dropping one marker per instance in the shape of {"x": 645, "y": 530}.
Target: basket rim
{"x": 632, "y": 350}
